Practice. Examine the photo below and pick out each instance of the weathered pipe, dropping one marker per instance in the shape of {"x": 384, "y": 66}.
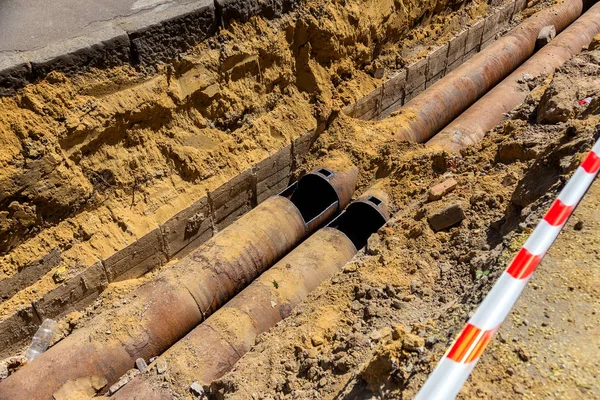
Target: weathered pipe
{"x": 433, "y": 109}
{"x": 211, "y": 349}
{"x": 161, "y": 312}
{"x": 472, "y": 125}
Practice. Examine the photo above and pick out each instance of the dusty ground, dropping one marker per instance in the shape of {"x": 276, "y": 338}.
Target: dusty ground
{"x": 414, "y": 287}
{"x": 92, "y": 162}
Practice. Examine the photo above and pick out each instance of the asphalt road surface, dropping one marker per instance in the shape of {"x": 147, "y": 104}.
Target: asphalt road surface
{"x": 32, "y": 24}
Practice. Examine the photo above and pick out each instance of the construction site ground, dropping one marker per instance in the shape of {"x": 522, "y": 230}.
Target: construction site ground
{"x": 91, "y": 162}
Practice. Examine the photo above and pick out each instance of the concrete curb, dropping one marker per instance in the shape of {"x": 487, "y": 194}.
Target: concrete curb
{"x": 140, "y": 40}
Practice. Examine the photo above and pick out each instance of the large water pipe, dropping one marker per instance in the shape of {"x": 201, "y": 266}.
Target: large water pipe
{"x": 163, "y": 311}
{"x": 212, "y": 348}
{"x": 429, "y": 112}
{"x": 472, "y": 125}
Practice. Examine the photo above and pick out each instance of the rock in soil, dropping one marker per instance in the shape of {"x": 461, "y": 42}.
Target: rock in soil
{"x": 445, "y": 217}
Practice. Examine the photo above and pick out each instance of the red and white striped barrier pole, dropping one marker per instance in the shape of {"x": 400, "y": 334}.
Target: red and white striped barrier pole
{"x": 455, "y": 367}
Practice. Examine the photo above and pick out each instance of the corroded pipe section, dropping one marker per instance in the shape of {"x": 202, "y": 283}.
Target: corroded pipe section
{"x": 472, "y": 125}
{"x": 210, "y": 350}
{"x": 163, "y": 311}
{"x": 433, "y": 109}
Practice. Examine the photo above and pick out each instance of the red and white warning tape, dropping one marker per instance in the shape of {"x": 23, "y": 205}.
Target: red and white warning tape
{"x": 455, "y": 367}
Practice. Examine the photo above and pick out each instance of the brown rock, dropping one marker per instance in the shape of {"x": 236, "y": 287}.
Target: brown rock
{"x": 523, "y": 354}
{"x": 446, "y": 217}
{"x": 512, "y": 151}
{"x": 412, "y": 342}
{"x": 441, "y": 189}
{"x": 556, "y": 104}
{"x": 398, "y": 331}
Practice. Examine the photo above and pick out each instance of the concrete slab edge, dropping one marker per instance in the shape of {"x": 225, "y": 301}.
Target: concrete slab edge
{"x": 140, "y": 40}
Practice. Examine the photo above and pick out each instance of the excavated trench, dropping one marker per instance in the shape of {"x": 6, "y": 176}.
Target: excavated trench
{"x": 92, "y": 181}
{"x": 102, "y": 169}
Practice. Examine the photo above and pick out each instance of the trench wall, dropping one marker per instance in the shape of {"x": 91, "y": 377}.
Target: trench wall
{"x": 172, "y": 240}
{"x": 422, "y": 73}
{"x": 220, "y": 207}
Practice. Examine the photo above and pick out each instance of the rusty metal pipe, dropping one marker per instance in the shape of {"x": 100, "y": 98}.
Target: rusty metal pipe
{"x": 429, "y": 112}
{"x": 213, "y": 347}
{"x": 165, "y": 310}
{"x": 472, "y": 125}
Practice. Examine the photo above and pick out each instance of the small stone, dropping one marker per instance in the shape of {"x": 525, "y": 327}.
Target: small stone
{"x": 397, "y": 304}
{"x": 412, "y": 342}
{"x": 379, "y": 72}
{"x": 523, "y": 354}
{"x": 445, "y": 267}
{"x": 370, "y": 311}
{"x": 441, "y": 189}
{"x": 3, "y": 371}
{"x": 317, "y": 340}
{"x": 120, "y": 383}
{"x": 446, "y": 217}
{"x": 518, "y": 388}
{"x": 141, "y": 364}
{"x": 375, "y": 336}
{"x": 547, "y": 33}
{"x": 161, "y": 366}
{"x": 510, "y": 371}
{"x": 356, "y": 306}
{"x": 350, "y": 268}
{"x": 415, "y": 285}
{"x": 323, "y": 381}
{"x": 398, "y": 331}
{"x": 527, "y": 77}
{"x": 60, "y": 275}
{"x": 430, "y": 341}
{"x": 197, "y": 389}
{"x": 578, "y": 226}
{"x": 373, "y": 244}
{"x": 360, "y": 291}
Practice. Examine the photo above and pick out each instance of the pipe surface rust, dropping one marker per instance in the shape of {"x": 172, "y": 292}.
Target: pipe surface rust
{"x": 472, "y": 125}
{"x": 429, "y": 112}
{"x": 213, "y": 347}
{"x": 163, "y": 311}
